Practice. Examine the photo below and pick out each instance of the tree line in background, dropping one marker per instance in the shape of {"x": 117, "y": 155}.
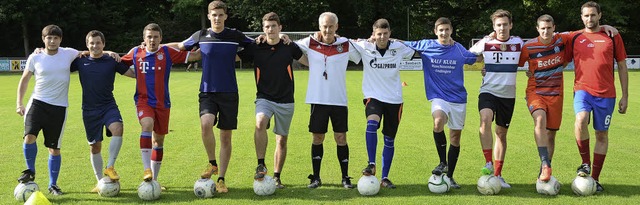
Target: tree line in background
{"x": 122, "y": 21}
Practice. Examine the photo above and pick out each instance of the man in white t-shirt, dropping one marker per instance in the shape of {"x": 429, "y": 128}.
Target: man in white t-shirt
{"x": 327, "y": 92}
{"x": 498, "y": 90}
{"x": 47, "y": 107}
{"x": 382, "y": 91}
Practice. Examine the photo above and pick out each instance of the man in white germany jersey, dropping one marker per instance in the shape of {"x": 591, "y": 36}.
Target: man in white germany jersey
{"x": 382, "y": 94}
{"x": 327, "y": 92}
{"x": 498, "y": 90}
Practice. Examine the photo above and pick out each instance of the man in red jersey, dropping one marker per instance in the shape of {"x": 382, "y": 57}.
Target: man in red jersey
{"x": 152, "y": 67}
{"x": 594, "y": 54}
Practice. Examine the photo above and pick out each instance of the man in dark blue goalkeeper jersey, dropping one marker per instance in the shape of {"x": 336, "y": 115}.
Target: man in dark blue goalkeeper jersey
{"x": 218, "y": 88}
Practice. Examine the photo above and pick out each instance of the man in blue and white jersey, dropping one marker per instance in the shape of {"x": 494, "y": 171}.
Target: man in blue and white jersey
{"x": 498, "y": 90}
{"x": 443, "y": 64}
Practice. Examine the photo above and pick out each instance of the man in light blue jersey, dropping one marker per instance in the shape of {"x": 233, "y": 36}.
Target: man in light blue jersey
{"x": 443, "y": 64}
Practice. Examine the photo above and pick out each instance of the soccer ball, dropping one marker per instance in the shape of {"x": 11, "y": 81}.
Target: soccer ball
{"x": 551, "y": 187}
{"x": 149, "y": 190}
{"x": 489, "y": 185}
{"x": 108, "y": 188}
{"x": 583, "y": 186}
{"x": 265, "y": 187}
{"x": 204, "y": 188}
{"x": 368, "y": 185}
{"x": 23, "y": 191}
{"x": 439, "y": 183}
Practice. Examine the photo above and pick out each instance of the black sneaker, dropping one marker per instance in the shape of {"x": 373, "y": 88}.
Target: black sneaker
{"x": 346, "y": 182}
{"x": 369, "y": 170}
{"x": 584, "y": 170}
{"x": 440, "y": 169}
{"x": 599, "y": 188}
{"x": 454, "y": 184}
{"x": 55, "y": 190}
{"x": 387, "y": 183}
{"x": 315, "y": 182}
{"x": 261, "y": 170}
{"x": 27, "y": 176}
{"x": 279, "y": 184}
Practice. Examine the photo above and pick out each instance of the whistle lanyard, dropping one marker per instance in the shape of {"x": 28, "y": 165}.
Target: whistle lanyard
{"x": 324, "y": 74}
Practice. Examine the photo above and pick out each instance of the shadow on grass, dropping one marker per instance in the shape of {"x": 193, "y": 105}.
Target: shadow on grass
{"x": 334, "y": 193}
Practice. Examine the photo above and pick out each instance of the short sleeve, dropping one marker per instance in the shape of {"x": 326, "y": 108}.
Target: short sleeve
{"x": 478, "y": 48}
{"x": 296, "y": 52}
{"x": 524, "y": 56}
{"x": 192, "y": 41}
{"x": 74, "y": 65}
{"x": 407, "y": 52}
{"x": 30, "y": 64}
{"x": 248, "y": 53}
{"x": 243, "y": 40}
{"x": 621, "y": 53}
{"x": 178, "y": 56}
{"x": 128, "y": 58}
{"x": 303, "y": 44}
{"x": 354, "y": 54}
{"x": 121, "y": 68}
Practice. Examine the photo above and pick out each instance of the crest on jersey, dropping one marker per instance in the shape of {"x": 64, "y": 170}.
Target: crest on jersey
{"x": 339, "y": 49}
{"x": 556, "y": 49}
{"x": 394, "y": 52}
{"x": 160, "y": 55}
{"x": 373, "y": 52}
{"x": 503, "y": 47}
{"x": 514, "y": 48}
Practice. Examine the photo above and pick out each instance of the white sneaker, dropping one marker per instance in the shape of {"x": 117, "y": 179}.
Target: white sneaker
{"x": 503, "y": 183}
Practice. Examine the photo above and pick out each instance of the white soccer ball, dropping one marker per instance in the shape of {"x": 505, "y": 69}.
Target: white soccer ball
{"x": 23, "y": 191}
{"x": 149, "y": 190}
{"x": 489, "y": 185}
{"x": 266, "y": 186}
{"x": 204, "y": 188}
{"x": 439, "y": 183}
{"x": 368, "y": 185}
{"x": 583, "y": 186}
{"x": 108, "y": 188}
{"x": 551, "y": 187}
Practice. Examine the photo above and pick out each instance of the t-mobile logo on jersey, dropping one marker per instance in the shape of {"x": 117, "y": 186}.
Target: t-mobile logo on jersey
{"x": 144, "y": 66}
{"x": 497, "y": 57}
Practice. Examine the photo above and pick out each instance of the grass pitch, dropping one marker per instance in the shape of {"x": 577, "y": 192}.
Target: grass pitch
{"x": 415, "y": 155}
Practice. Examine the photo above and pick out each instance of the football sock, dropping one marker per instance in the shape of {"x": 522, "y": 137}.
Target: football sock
{"x": 454, "y": 152}
{"x": 498, "y": 167}
{"x": 261, "y": 162}
{"x": 276, "y": 174}
{"x": 96, "y": 163}
{"x": 441, "y": 145}
{"x": 343, "y": 157}
{"x": 30, "y": 152}
{"x": 543, "y": 152}
{"x": 488, "y": 155}
{"x": 317, "y": 151}
{"x": 598, "y": 161}
{"x": 583, "y": 148}
{"x": 145, "y": 149}
{"x": 156, "y": 161}
{"x": 371, "y": 136}
{"x": 387, "y": 155}
{"x": 213, "y": 162}
{"x": 54, "y": 169}
{"x": 220, "y": 178}
{"x": 114, "y": 149}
